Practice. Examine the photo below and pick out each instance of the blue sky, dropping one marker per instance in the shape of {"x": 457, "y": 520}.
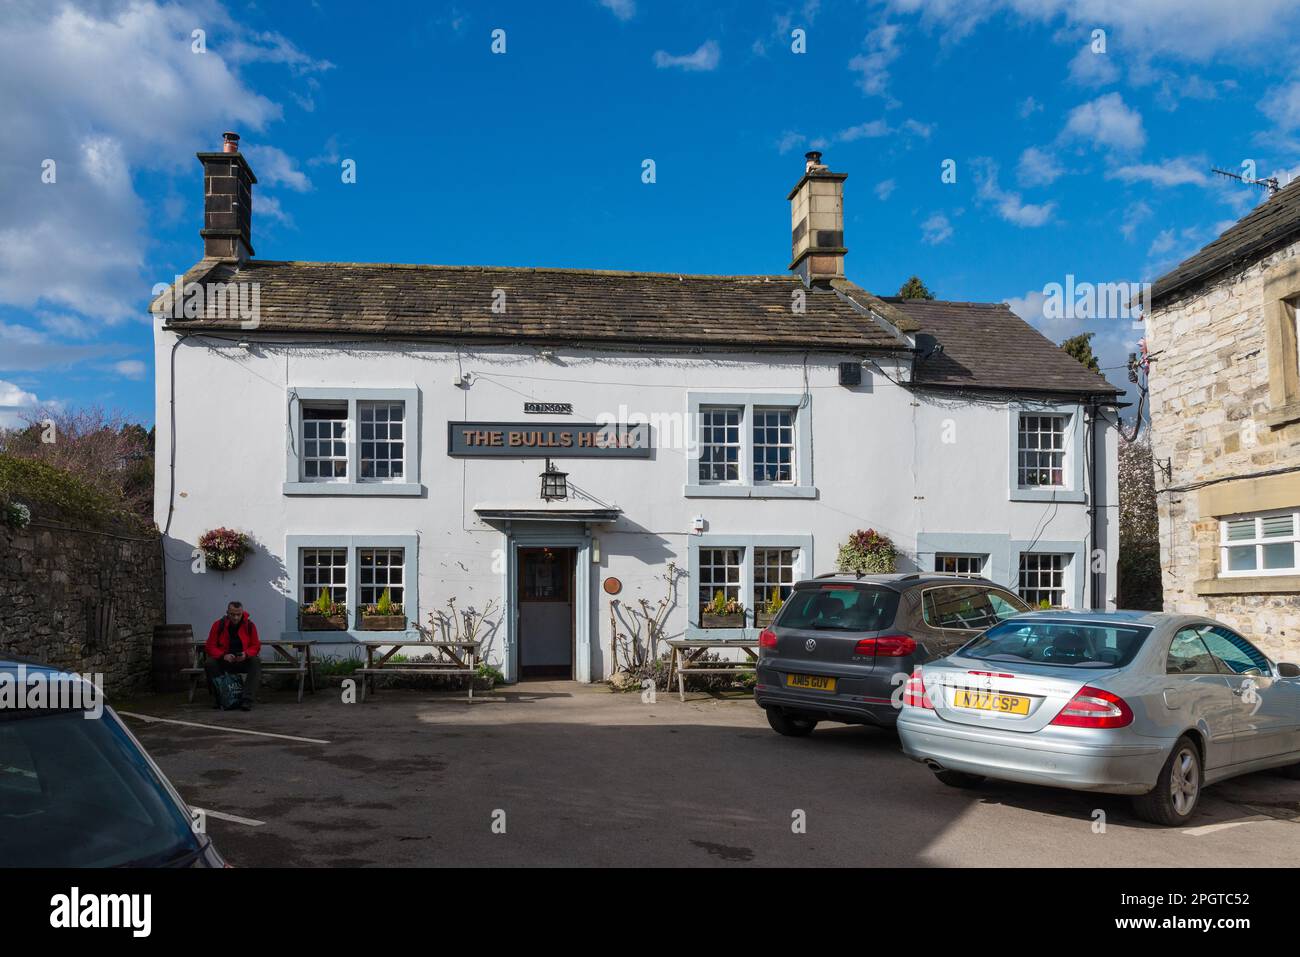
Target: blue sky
{"x": 1068, "y": 160}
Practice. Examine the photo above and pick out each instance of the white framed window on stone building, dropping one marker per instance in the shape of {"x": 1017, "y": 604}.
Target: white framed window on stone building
{"x": 1043, "y": 578}
{"x": 749, "y": 445}
{"x": 965, "y": 565}
{"x": 1259, "y": 544}
{"x": 775, "y": 571}
{"x": 350, "y": 441}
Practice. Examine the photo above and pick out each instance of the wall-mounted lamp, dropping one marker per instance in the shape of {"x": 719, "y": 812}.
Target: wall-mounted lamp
{"x": 555, "y": 484}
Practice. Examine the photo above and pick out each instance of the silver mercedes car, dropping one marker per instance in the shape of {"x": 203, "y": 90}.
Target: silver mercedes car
{"x": 1149, "y": 704}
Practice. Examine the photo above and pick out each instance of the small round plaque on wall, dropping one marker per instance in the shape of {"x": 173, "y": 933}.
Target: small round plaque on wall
{"x": 613, "y": 586}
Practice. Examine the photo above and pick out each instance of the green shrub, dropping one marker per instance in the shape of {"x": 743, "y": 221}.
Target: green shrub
{"x": 71, "y": 499}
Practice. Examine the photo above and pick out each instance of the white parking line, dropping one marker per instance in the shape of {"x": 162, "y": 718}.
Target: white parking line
{"x": 1211, "y": 828}
{"x": 217, "y": 727}
{"x": 229, "y": 817}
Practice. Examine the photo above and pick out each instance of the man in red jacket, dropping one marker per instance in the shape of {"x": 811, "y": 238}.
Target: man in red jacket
{"x": 233, "y": 646}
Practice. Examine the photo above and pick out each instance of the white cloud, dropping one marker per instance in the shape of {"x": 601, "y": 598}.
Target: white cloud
{"x": 1134, "y": 216}
{"x": 24, "y": 348}
{"x": 922, "y": 130}
{"x": 868, "y": 130}
{"x": 132, "y": 369}
{"x": 67, "y": 325}
{"x": 1180, "y": 171}
{"x": 1009, "y": 205}
{"x": 885, "y": 188}
{"x": 1164, "y": 241}
{"x": 873, "y": 66}
{"x": 936, "y": 229}
{"x": 1182, "y": 29}
{"x": 1106, "y": 122}
{"x": 1282, "y": 105}
{"x": 1038, "y": 168}
{"x": 275, "y": 167}
{"x": 1093, "y": 69}
{"x": 706, "y": 57}
{"x": 1028, "y": 107}
{"x": 13, "y": 401}
{"x": 789, "y": 140}
{"x": 623, "y": 9}
{"x": 108, "y": 91}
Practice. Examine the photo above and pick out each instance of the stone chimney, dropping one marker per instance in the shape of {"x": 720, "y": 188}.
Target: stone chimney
{"x": 817, "y": 223}
{"x": 227, "y": 202}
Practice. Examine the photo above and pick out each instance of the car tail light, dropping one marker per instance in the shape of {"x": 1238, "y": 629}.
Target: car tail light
{"x": 914, "y": 695}
{"x": 886, "y": 646}
{"x": 1094, "y": 708}
{"x": 767, "y": 639}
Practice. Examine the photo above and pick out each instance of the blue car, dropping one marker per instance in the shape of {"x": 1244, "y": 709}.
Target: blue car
{"x": 78, "y": 790}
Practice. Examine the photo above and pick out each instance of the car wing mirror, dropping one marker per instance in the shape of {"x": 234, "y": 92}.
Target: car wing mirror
{"x": 1286, "y": 669}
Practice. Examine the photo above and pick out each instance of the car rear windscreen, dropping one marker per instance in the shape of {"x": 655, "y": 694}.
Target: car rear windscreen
{"x": 1058, "y": 644}
{"x": 839, "y": 607}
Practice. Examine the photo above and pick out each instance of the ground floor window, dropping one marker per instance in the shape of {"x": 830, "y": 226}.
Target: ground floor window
{"x": 774, "y": 576}
{"x": 1260, "y": 544}
{"x": 719, "y": 573}
{"x": 381, "y": 569}
{"x": 1042, "y": 578}
{"x": 968, "y": 566}
{"x": 325, "y": 570}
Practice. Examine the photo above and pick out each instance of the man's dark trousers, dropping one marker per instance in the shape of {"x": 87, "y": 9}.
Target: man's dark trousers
{"x": 250, "y": 668}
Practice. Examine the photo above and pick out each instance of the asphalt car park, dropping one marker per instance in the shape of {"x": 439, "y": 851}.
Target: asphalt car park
{"x": 558, "y": 773}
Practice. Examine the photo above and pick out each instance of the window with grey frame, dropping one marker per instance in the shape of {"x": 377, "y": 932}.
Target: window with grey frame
{"x": 1041, "y": 450}
{"x": 324, "y": 570}
{"x": 774, "y": 574}
{"x": 380, "y": 570}
{"x": 1042, "y": 578}
{"x": 773, "y": 434}
{"x": 383, "y": 439}
{"x": 324, "y": 441}
{"x": 967, "y": 566}
{"x": 718, "y": 570}
{"x": 720, "y": 444}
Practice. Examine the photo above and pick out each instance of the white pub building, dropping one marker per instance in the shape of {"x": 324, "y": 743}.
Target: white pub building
{"x": 539, "y": 443}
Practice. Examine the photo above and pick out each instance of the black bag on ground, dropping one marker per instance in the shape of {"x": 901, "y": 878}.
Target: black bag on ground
{"x": 230, "y": 689}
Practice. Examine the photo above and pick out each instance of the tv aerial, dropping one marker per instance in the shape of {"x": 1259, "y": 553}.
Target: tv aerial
{"x": 1270, "y": 182}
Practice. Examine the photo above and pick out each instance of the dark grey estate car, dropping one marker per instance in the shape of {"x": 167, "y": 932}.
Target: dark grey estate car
{"x": 842, "y": 647}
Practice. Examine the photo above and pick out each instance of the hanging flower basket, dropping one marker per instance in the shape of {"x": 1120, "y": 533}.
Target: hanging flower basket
{"x": 224, "y": 548}
{"x": 867, "y": 553}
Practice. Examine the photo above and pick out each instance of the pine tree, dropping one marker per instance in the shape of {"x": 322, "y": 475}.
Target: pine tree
{"x": 915, "y": 289}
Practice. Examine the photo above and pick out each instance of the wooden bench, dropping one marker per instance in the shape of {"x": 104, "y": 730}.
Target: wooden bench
{"x": 457, "y": 658}
{"x": 292, "y": 658}
{"x": 686, "y": 653}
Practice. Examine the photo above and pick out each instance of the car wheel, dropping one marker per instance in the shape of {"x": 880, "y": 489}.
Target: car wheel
{"x": 959, "y": 779}
{"x": 783, "y": 723}
{"x": 1178, "y": 788}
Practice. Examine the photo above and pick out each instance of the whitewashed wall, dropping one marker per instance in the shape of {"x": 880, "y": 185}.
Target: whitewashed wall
{"x": 879, "y": 460}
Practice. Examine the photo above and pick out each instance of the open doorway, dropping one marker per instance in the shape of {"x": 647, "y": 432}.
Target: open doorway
{"x": 546, "y": 612}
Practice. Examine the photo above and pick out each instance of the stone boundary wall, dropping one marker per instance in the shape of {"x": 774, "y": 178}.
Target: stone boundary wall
{"x": 81, "y": 598}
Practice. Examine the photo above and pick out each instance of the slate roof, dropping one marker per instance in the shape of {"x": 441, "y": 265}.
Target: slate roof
{"x": 557, "y": 305}
{"x": 1273, "y": 223}
{"x": 987, "y": 346}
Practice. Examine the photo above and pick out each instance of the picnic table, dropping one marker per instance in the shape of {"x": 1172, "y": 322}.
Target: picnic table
{"x": 687, "y": 652}
{"x": 291, "y": 658}
{"x": 449, "y": 658}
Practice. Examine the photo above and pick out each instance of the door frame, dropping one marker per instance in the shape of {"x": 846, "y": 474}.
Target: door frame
{"x": 569, "y": 555}
{"x": 580, "y": 541}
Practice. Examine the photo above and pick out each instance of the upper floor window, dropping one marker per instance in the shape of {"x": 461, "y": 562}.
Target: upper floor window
{"x": 349, "y": 441}
{"x": 749, "y": 445}
{"x": 720, "y": 444}
{"x": 1260, "y": 544}
{"x": 1041, "y": 451}
{"x": 325, "y": 442}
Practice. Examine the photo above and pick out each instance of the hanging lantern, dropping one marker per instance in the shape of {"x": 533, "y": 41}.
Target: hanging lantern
{"x": 555, "y": 484}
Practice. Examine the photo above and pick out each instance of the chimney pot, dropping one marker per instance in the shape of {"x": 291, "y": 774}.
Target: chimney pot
{"x": 230, "y": 142}
{"x": 814, "y": 158}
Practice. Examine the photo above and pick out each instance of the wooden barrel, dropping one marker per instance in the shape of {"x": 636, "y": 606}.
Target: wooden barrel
{"x": 173, "y": 649}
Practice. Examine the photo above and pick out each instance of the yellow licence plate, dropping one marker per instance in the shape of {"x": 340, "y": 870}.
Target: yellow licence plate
{"x": 987, "y": 701}
{"x": 812, "y": 682}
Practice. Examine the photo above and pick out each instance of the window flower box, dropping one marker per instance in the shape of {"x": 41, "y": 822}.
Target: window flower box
{"x": 309, "y": 619}
{"x": 382, "y": 622}
{"x": 726, "y": 620}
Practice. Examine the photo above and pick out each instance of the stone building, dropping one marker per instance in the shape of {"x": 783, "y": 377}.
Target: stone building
{"x": 1225, "y": 416}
